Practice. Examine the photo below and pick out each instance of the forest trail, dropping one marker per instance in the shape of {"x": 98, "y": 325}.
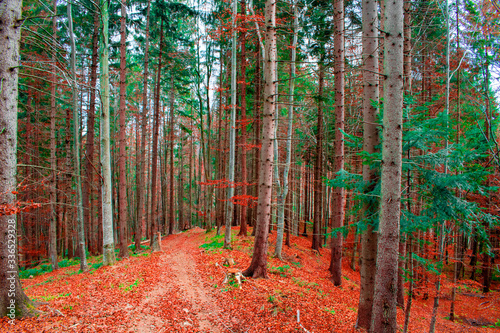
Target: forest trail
{"x": 180, "y": 289}
{"x": 177, "y": 262}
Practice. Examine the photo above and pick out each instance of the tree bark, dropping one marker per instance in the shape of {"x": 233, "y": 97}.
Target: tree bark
{"x": 76, "y": 149}
{"x": 13, "y": 301}
{"x": 107, "y": 189}
{"x": 142, "y": 152}
{"x": 155, "y": 244}
{"x": 368, "y": 253}
{"x": 318, "y": 170}
{"x": 338, "y": 195}
{"x": 243, "y": 139}
{"x": 171, "y": 137}
{"x": 385, "y": 297}
{"x": 232, "y": 135}
{"x": 258, "y": 266}
{"x": 53, "y": 159}
{"x": 283, "y": 192}
{"x": 122, "y": 218}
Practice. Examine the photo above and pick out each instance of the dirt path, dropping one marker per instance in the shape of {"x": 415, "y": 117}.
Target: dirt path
{"x": 178, "y": 277}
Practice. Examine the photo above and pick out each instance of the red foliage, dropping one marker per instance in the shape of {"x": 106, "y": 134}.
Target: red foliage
{"x": 181, "y": 290}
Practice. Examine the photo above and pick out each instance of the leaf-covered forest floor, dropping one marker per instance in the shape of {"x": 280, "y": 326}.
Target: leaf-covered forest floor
{"x": 181, "y": 290}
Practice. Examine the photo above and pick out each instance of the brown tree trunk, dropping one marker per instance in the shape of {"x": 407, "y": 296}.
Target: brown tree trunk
{"x": 122, "y": 192}
{"x": 53, "y": 159}
{"x": 88, "y": 183}
{"x": 257, "y": 134}
{"x": 318, "y": 170}
{"x": 307, "y": 201}
{"x": 258, "y": 266}
{"x": 142, "y": 153}
{"x": 339, "y": 196}
{"x": 155, "y": 244}
{"x": 368, "y": 253}
{"x": 171, "y": 135}
{"x": 243, "y": 139}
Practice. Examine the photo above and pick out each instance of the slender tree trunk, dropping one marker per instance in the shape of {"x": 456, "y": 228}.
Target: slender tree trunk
{"x": 385, "y": 297}
{"x": 122, "y": 218}
{"x": 89, "y": 160}
{"x": 142, "y": 152}
{"x": 368, "y": 253}
{"x": 410, "y": 290}
{"x": 180, "y": 188}
{"x": 318, "y": 170}
{"x": 107, "y": 210}
{"x": 257, "y": 134}
{"x": 155, "y": 244}
{"x": 232, "y": 135}
{"x": 258, "y": 266}
{"x": 283, "y": 192}
{"x": 171, "y": 135}
{"x": 53, "y": 159}
{"x": 243, "y": 98}
{"x": 76, "y": 149}
{"x": 339, "y": 196}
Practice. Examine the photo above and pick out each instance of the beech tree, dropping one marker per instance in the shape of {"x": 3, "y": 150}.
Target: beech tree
{"x": 13, "y": 301}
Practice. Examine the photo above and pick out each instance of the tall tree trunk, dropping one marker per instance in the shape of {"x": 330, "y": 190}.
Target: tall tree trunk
{"x": 257, "y": 134}
{"x": 171, "y": 135}
{"x": 53, "y": 159}
{"x": 339, "y": 196}
{"x": 12, "y": 304}
{"x": 258, "y": 266}
{"x": 385, "y": 297}
{"x": 318, "y": 169}
{"x": 155, "y": 244}
{"x": 180, "y": 188}
{"x": 122, "y": 218}
{"x": 76, "y": 149}
{"x": 89, "y": 160}
{"x": 283, "y": 192}
{"x": 368, "y": 253}
{"x": 107, "y": 189}
{"x": 243, "y": 98}
{"x": 232, "y": 135}
{"x": 142, "y": 152}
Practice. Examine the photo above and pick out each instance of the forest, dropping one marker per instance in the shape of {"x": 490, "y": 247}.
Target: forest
{"x": 249, "y": 166}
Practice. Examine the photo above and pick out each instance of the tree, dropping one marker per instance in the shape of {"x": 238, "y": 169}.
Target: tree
{"x": 13, "y": 301}
{"x": 53, "y": 159}
{"x": 339, "y": 198}
{"x": 368, "y": 253}
{"x": 141, "y": 166}
{"x": 283, "y": 191}
{"x": 108, "y": 257}
{"x": 155, "y": 243}
{"x": 232, "y": 134}
{"x": 122, "y": 195}
{"x": 76, "y": 148}
{"x": 243, "y": 103}
{"x": 258, "y": 266}
{"x": 385, "y": 296}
